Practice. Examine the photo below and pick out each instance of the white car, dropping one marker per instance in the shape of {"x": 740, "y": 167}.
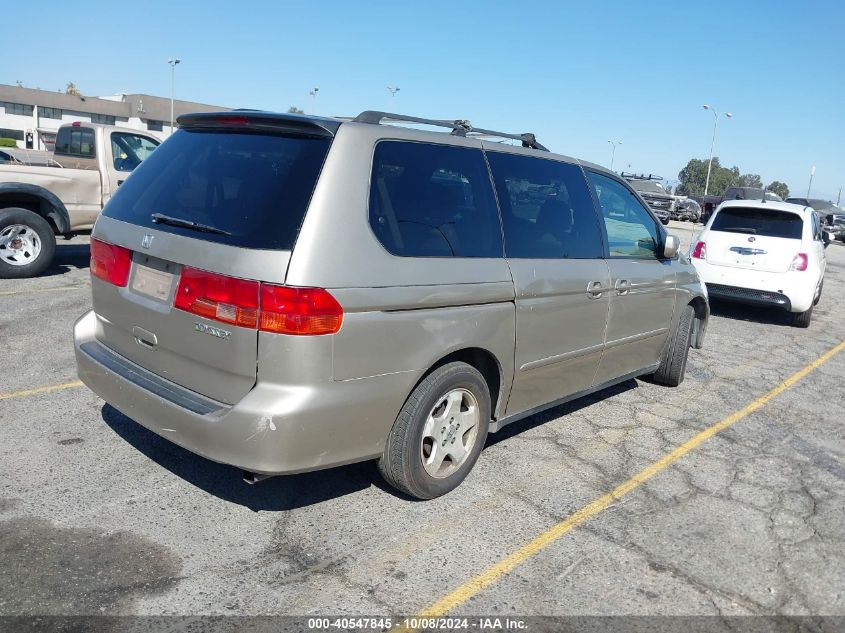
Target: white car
{"x": 763, "y": 253}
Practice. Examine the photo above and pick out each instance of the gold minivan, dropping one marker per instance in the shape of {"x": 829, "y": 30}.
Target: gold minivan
{"x": 286, "y": 293}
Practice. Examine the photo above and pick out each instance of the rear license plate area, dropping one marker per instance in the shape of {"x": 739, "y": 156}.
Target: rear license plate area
{"x": 149, "y": 282}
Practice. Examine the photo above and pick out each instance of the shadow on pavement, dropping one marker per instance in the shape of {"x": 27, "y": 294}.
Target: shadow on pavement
{"x": 275, "y": 494}
{"x": 557, "y": 412}
{"x": 754, "y": 314}
{"x": 68, "y": 257}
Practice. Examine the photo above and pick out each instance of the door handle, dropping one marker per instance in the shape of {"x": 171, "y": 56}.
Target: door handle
{"x": 622, "y": 286}
{"x": 594, "y": 289}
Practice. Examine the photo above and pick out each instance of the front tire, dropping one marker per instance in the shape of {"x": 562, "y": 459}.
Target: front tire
{"x": 439, "y": 433}
{"x": 673, "y": 365}
{"x": 27, "y": 243}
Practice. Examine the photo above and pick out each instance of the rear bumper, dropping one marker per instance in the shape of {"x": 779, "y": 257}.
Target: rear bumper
{"x": 790, "y": 291}
{"x": 274, "y": 429}
{"x": 749, "y": 296}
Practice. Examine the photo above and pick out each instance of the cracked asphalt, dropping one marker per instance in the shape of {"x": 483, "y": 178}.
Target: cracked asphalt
{"x": 100, "y": 516}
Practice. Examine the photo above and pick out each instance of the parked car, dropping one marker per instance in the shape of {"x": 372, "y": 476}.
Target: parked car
{"x": 710, "y": 203}
{"x": 64, "y": 195}
{"x": 763, "y": 253}
{"x": 286, "y": 293}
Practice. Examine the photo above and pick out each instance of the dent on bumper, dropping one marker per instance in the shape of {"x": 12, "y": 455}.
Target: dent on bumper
{"x": 274, "y": 429}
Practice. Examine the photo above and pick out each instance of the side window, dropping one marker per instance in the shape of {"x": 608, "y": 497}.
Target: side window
{"x": 75, "y": 141}
{"x": 433, "y": 201}
{"x": 631, "y": 231}
{"x": 130, "y": 150}
{"x": 547, "y": 211}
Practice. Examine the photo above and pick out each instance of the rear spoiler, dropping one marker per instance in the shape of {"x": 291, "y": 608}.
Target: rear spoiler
{"x": 258, "y": 121}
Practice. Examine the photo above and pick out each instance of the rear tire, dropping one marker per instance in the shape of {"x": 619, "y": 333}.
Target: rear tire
{"x": 445, "y": 418}
{"x": 27, "y": 243}
{"x": 673, "y": 365}
{"x": 802, "y": 319}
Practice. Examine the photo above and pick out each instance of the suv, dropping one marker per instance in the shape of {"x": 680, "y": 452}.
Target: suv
{"x": 764, "y": 253}
{"x": 286, "y": 293}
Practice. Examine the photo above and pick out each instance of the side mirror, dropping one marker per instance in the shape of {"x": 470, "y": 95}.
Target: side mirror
{"x": 671, "y": 247}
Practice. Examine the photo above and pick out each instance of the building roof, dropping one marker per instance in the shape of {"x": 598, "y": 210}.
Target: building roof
{"x": 132, "y": 105}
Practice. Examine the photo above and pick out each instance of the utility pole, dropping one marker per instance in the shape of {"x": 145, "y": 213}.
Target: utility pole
{"x": 810, "y": 186}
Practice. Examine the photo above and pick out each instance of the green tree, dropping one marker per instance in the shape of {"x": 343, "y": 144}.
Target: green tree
{"x": 749, "y": 180}
{"x": 295, "y": 110}
{"x": 779, "y": 188}
{"x": 692, "y": 178}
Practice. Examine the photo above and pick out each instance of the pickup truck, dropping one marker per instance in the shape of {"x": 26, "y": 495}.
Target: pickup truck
{"x": 37, "y": 203}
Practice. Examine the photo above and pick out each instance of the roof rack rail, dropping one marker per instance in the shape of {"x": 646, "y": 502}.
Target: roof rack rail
{"x": 459, "y": 127}
{"x": 640, "y": 176}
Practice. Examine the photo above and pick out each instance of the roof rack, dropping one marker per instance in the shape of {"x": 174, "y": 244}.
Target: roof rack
{"x": 640, "y": 176}
{"x": 459, "y": 127}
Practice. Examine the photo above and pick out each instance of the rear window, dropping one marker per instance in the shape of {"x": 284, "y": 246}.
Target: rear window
{"x": 252, "y": 188}
{"x": 759, "y": 222}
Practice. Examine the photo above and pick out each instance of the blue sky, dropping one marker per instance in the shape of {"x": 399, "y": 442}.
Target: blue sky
{"x": 575, "y": 73}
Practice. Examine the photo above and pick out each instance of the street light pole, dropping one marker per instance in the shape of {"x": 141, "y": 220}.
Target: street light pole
{"x": 393, "y": 90}
{"x": 810, "y": 186}
{"x": 313, "y": 93}
{"x": 173, "y": 61}
{"x": 613, "y": 152}
{"x": 716, "y": 116}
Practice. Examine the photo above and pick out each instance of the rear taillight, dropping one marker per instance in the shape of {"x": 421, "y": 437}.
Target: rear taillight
{"x": 254, "y": 305}
{"x": 700, "y": 251}
{"x": 799, "y": 262}
{"x": 218, "y": 297}
{"x": 110, "y": 263}
{"x": 303, "y": 311}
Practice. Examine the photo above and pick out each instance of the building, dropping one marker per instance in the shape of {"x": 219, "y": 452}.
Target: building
{"x": 31, "y": 117}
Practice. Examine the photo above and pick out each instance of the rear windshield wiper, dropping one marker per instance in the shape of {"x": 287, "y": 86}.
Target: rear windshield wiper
{"x": 160, "y": 218}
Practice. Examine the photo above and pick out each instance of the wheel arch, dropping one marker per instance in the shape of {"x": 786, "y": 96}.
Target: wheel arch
{"x": 38, "y": 200}
{"x": 486, "y": 363}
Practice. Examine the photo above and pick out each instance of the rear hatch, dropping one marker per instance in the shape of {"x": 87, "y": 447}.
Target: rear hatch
{"x": 754, "y": 238}
{"x": 179, "y": 252}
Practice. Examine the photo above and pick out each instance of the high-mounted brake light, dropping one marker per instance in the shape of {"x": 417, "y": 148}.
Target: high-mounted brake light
{"x": 218, "y": 297}
{"x": 76, "y": 124}
{"x": 301, "y": 311}
{"x": 110, "y": 263}
{"x": 799, "y": 262}
{"x": 231, "y": 120}
{"x": 254, "y": 305}
{"x": 700, "y": 251}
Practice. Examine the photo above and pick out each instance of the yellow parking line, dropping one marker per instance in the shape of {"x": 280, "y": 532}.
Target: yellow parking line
{"x": 37, "y": 390}
{"x": 490, "y": 575}
{"x": 28, "y": 290}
